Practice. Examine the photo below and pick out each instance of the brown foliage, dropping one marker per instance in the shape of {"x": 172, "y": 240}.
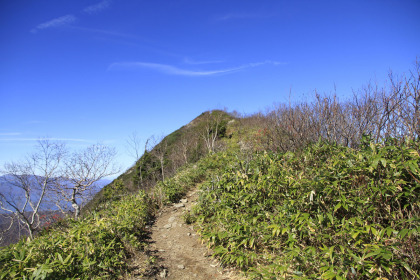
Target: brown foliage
{"x": 383, "y": 113}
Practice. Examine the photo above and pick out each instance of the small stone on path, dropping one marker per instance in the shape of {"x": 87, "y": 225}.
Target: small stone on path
{"x": 179, "y": 205}
{"x": 163, "y": 273}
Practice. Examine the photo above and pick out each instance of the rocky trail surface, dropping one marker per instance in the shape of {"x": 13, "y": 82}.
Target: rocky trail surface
{"x": 177, "y": 250}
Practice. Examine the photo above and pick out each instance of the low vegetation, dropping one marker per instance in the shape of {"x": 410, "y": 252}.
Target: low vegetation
{"x": 321, "y": 190}
{"x": 95, "y": 247}
{"x": 99, "y": 245}
{"x": 327, "y": 212}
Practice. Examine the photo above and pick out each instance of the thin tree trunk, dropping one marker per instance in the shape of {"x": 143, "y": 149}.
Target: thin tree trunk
{"x": 74, "y": 204}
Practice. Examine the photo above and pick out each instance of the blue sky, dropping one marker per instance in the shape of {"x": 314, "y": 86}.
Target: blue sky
{"x": 95, "y": 71}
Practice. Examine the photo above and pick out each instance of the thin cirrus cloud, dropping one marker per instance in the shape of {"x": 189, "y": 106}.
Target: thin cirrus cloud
{"x": 54, "y": 23}
{"x": 68, "y": 19}
{"x": 173, "y": 70}
{"x": 97, "y": 7}
{"x": 104, "y": 32}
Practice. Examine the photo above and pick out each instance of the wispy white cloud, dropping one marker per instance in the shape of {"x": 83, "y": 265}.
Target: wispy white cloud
{"x": 105, "y": 32}
{"x": 70, "y": 18}
{"x": 97, "y": 7}
{"x": 60, "y": 21}
{"x": 173, "y": 70}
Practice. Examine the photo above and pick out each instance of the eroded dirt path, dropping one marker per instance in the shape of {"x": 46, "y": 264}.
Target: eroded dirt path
{"x": 177, "y": 249}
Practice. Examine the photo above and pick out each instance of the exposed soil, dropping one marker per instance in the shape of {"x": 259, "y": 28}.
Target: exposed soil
{"x": 176, "y": 250}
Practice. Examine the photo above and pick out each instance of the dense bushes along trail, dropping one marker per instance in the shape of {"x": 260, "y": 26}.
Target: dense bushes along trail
{"x": 322, "y": 212}
{"x": 326, "y": 212}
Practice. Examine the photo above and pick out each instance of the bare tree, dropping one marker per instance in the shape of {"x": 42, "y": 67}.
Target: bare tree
{"x": 30, "y": 181}
{"x": 383, "y": 113}
{"x": 405, "y": 93}
{"x": 160, "y": 150}
{"x": 82, "y": 170}
{"x": 140, "y": 163}
{"x": 183, "y": 147}
{"x": 179, "y": 153}
{"x": 211, "y": 129}
{"x": 7, "y": 221}
{"x": 133, "y": 145}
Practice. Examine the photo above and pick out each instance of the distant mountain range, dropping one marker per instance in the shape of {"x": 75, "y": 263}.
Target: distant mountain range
{"x": 16, "y": 194}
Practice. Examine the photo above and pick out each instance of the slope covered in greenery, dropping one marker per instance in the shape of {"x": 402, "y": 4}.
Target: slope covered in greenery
{"x": 323, "y": 211}
{"x": 162, "y": 159}
{"x": 94, "y": 247}
{"x": 326, "y": 211}
{"x": 112, "y": 230}
{"x": 320, "y": 190}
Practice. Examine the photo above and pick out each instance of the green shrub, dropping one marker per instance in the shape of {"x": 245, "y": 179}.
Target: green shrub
{"x": 171, "y": 190}
{"x": 327, "y": 212}
{"x": 95, "y": 247}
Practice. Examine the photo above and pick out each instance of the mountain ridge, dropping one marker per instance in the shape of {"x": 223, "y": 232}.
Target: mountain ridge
{"x": 299, "y": 192}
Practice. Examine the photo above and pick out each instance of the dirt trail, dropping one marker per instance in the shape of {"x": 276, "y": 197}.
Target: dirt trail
{"x": 178, "y": 250}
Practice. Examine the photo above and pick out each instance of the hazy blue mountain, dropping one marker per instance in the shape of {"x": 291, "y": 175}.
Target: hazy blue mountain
{"x": 16, "y": 194}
